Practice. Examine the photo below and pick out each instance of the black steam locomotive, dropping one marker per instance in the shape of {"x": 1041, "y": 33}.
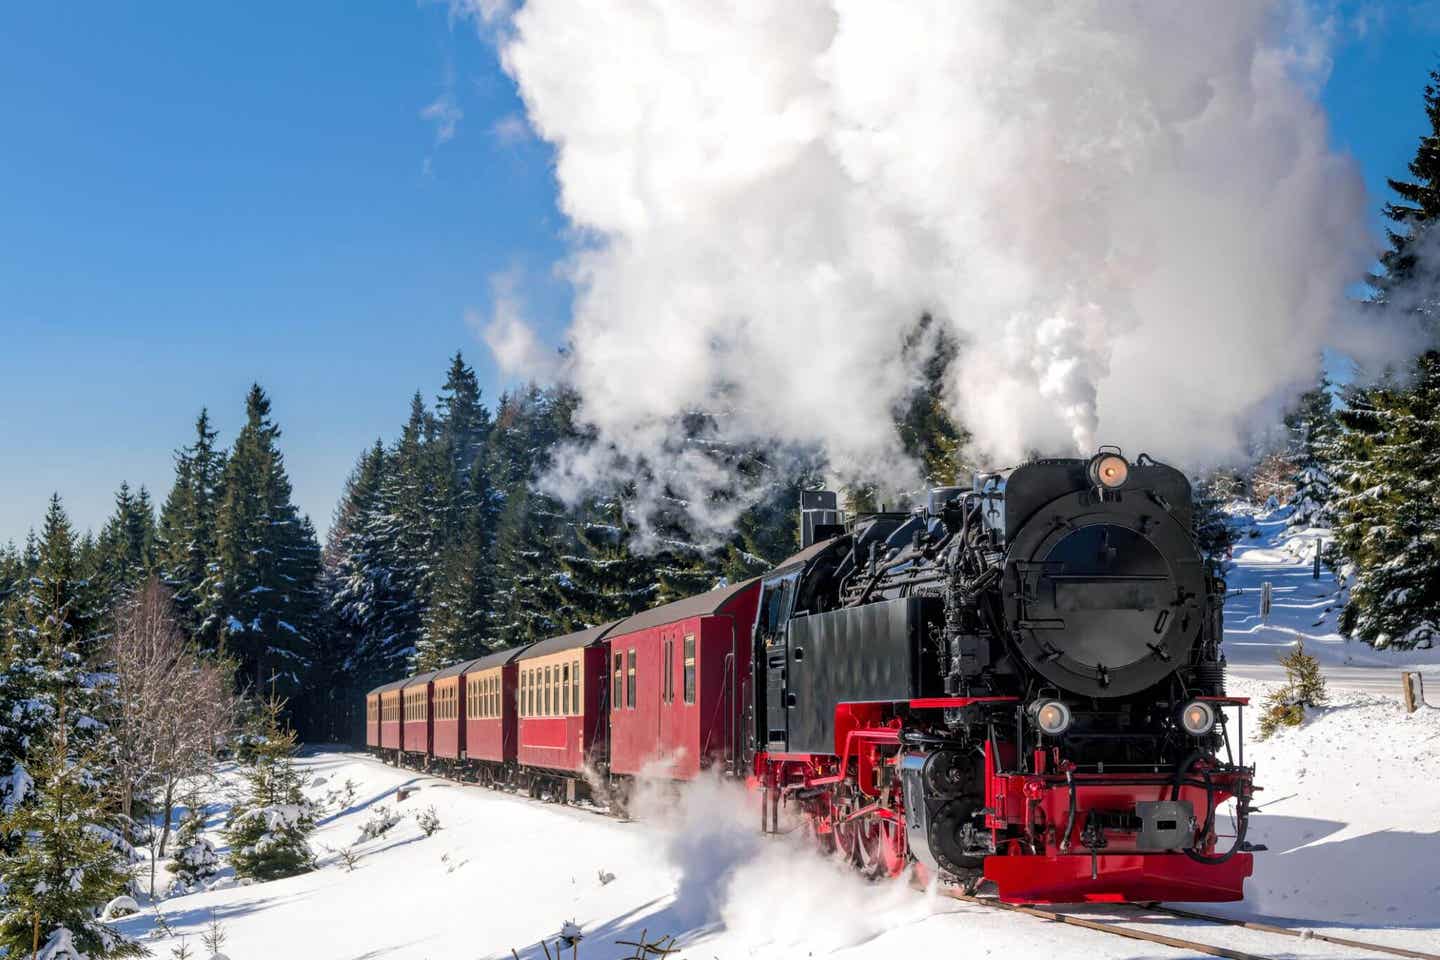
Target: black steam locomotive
{"x": 1021, "y": 681}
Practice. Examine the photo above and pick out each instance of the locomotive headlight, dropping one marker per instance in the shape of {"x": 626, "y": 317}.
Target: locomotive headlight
{"x": 1198, "y": 718}
{"x": 1051, "y": 716}
{"x": 1109, "y": 470}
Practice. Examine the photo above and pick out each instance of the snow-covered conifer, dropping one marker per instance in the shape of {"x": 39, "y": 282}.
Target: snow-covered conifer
{"x": 268, "y": 831}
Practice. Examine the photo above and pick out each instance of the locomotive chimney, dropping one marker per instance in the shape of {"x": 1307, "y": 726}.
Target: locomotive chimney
{"x": 819, "y": 516}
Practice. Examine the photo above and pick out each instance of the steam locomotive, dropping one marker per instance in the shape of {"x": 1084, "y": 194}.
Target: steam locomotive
{"x": 1021, "y": 682}
{"x": 1018, "y": 682}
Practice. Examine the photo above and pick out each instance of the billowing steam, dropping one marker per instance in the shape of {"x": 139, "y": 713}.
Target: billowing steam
{"x": 1128, "y": 213}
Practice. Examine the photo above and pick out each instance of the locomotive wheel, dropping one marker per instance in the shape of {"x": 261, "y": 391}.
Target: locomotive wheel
{"x": 847, "y": 841}
{"x": 948, "y": 831}
{"x": 824, "y": 842}
{"x": 882, "y": 847}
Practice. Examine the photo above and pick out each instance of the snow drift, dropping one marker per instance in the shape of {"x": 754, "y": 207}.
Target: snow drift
{"x": 1128, "y": 213}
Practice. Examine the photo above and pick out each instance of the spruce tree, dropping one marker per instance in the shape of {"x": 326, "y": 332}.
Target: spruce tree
{"x": 1213, "y": 533}
{"x": 53, "y": 633}
{"x": 268, "y": 831}
{"x": 928, "y": 433}
{"x": 195, "y": 858}
{"x": 532, "y": 528}
{"x": 1408, "y": 279}
{"x": 185, "y": 539}
{"x": 125, "y": 551}
{"x": 1312, "y": 428}
{"x": 464, "y": 427}
{"x": 417, "y": 513}
{"x": 261, "y": 594}
{"x": 63, "y": 862}
{"x": 359, "y": 561}
{"x": 1387, "y": 514}
{"x": 604, "y": 578}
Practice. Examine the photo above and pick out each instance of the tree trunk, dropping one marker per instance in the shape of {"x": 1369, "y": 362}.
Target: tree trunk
{"x": 169, "y": 810}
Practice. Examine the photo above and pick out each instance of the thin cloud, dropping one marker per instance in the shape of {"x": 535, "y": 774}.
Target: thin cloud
{"x": 511, "y": 129}
{"x": 446, "y": 115}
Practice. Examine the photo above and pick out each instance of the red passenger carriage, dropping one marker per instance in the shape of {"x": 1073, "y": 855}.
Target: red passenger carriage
{"x": 674, "y": 703}
{"x": 491, "y": 726}
{"x": 417, "y": 725}
{"x": 561, "y": 696}
{"x": 448, "y": 708}
{"x": 387, "y": 698}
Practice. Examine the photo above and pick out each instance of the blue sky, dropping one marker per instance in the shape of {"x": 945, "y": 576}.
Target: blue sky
{"x": 197, "y": 196}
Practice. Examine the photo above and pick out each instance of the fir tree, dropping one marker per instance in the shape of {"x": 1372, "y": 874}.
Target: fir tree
{"x": 1408, "y": 279}
{"x": 1312, "y": 427}
{"x": 195, "y": 858}
{"x": 261, "y": 591}
{"x": 359, "y": 561}
{"x": 1304, "y": 689}
{"x": 53, "y": 633}
{"x": 185, "y": 539}
{"x": 464, "y": 429}
{"x": 125, "y": 552}
{"x": 928, "y": 433}
{"x": 1213, "y": 533}
{"x": 268, "y": 831}
{"x": 531, "y": 527}
{"x": 64, "y": 864}
{"x": 604, "y": 579}
{"x": 1387, "y": 514}
{"x": 411, "y": 527}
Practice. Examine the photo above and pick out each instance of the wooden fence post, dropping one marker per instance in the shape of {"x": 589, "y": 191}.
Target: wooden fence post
{"x": 1412, "y": 690}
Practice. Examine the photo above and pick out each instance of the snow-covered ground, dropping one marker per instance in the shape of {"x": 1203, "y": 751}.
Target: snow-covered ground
{"x": 1302, "y": 608}
{"x": 1349, "y": 813}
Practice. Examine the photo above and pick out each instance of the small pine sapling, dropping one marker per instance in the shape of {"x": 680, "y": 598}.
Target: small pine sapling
{"x": 382, "y": 818}
{"x": 350, "y": 857}
{"x": 268, "y": 831}
{"x": 195, "y": 858}
{"x": 1304, "y": 687}
{"x": 428, "y": 821}
{"x": 214, "y": 936}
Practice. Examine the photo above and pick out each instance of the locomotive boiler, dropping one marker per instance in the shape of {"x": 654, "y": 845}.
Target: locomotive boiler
{"x": 1019, "y": 682}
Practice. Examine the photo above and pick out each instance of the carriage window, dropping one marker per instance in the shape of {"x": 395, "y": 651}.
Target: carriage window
{"x": 630, "y": 679}
{"x": 575, "y": 687}
{"x": 565, "y": 689}
{"x": 689, "y": 668}
{"x": 549, "y": 688}
{"x": 615, "y": 699}
{"x": 525, "y": 693}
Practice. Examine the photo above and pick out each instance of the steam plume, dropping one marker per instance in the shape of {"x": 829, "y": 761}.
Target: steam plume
{"x": 1127, "y": 212}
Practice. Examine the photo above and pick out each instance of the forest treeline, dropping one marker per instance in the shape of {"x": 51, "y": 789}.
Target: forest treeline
{"x": 445, "y": 543}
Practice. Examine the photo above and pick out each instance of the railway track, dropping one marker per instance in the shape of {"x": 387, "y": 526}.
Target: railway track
{"x": 1120, "y": 929}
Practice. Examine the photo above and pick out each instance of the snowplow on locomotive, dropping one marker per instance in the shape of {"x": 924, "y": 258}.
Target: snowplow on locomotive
{"x": 1020, "y": 683}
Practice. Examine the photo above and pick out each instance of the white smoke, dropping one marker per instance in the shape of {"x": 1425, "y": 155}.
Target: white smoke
{"x": 1129, "y": 215}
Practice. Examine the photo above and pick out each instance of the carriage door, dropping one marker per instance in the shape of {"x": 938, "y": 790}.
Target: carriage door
{"x": 668, "y": 725}
{"x": 772, "y": 682}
